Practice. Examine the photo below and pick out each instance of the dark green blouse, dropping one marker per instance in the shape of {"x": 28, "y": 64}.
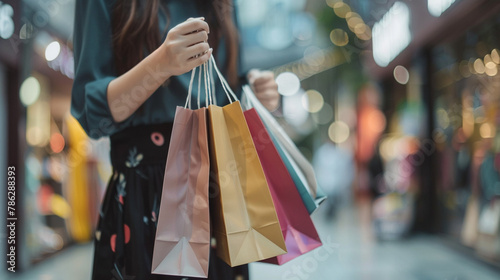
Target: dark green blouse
{"x": 94, "y": 69}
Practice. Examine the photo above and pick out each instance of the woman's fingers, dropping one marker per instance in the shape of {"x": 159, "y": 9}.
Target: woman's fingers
{"x": 264, "y": 85}
{"x": 197, "y": 50}
{"x": 265, "y": 88}
{"x": 269, "y": 99}
{"x": 262, "y": 77}
{"x": 192, "y": 25}
{"x": 199, "y": 60}
{"x": 195, "y": 38}
{"x": 186, "y": 46}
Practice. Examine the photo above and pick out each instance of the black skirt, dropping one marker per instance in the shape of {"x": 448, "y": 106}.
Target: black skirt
{"x": 126, "y": 230}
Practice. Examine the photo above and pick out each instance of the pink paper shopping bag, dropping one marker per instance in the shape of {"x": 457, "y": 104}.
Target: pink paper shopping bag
{"x": 182, "y": 243}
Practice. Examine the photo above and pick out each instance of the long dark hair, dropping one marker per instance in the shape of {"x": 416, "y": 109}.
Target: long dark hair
{"x": 136, "y": 31}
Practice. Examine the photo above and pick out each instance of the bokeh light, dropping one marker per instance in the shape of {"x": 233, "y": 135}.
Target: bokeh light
{"x": 479, "y": 66}
{"x": 437, "y": 7}
{"x": 38, "y": 124}
{"x": 488, "y": 62}
{"x": 360, "y": 28}
{"x": 338, "y": 132}
{"x": 394, "y": 24}
{"x": 490, "y": 67}
{"x": 401, "y": 75}
{"x": 312, "y": 101}
{"x": 487, "y": 130}
{"x": 366, "y": 35}
{"x": 350, "y": 15}
{"x": 331, "y": 3}
{"x": 495, "y": 56}
{"x": 288, "y": 83}
{"x": 57, "y": 142}
{"x": 376, "y": 120}
{"x": 35, "y": 136}
{"x": 26, "y": 32}
{"x": 341, "y": 9}
{"x": 491, "y": 71}
{"x": 339, "y": 37}
{"x": 30, "y": 91}
{"x": 354, "y": 21}
{"x": 52, "y": 51}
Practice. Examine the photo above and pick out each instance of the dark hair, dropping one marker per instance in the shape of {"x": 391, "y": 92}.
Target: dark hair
{"x": 136, "y": 31}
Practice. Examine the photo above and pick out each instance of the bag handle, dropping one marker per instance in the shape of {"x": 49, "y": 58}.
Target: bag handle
{"x": 211, "y": 71}
{"x": 225, "y": 85}
{"x": 190, "y": 89}
{"x": 206, "y": 70}
{"x": 203, "y": 71}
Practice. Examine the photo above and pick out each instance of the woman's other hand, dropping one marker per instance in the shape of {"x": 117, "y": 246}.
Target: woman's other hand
{"x": 265, "y": 88}
{"x": 186, "y": 46}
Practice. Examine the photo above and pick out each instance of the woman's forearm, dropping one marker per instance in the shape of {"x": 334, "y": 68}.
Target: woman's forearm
{"x": 184, "y": 48}
{"x": 129, "y": 91}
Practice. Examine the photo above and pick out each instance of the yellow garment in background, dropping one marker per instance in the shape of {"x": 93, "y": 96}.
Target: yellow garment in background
{"x": 77, "y": 189}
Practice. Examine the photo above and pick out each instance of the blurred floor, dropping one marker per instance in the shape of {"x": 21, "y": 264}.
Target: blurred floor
{"x": 73, "y": 263}
{"x": 349, "y": 253}
{"x": 354, "y": 254}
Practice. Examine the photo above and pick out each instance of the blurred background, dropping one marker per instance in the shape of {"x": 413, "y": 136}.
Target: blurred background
{"x": 396, "y": 104}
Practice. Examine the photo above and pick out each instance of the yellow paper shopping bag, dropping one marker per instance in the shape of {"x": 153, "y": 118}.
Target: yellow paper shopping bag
{"x": 244, "y": 218}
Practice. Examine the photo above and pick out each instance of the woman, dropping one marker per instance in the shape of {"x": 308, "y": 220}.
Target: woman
{"x": 131, "y": 60}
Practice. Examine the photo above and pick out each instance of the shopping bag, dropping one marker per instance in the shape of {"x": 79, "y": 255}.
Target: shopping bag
{"x": 182, "y": 242}
{"x": 296, "y": 224}
{"x": 298, "y": 166}
{"x": 244, "y": 219}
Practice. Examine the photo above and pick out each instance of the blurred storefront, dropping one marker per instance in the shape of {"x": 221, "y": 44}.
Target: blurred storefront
{"x": 10, "y": 15}
{"x": 60, "y": 173}
{"x": 467, "y": 116}
{"x": 437, "y": 65}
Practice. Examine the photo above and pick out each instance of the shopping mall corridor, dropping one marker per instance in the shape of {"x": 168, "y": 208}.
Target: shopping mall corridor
{"x": 350, "y": 253}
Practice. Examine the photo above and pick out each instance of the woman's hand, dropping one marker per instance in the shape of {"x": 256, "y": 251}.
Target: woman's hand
{"x": 265, "y": 88}
{"x": 186, "y": 46}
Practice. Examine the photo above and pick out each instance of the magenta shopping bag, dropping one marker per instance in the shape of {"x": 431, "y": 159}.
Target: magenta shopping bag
{"x": 296, "y": 224}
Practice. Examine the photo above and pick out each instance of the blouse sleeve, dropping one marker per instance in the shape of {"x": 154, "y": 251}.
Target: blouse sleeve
{"x": 94, "y": 67}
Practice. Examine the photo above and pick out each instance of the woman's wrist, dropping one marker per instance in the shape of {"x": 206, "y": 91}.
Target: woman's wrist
{"x": 159, "y": 57}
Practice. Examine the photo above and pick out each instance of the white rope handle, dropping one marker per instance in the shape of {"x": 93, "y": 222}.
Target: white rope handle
{"x": 198, "y": 99}
{"x": 206, "y": 76}
{"x": 210, "y": 79}
{"x": 202, "y": 71}
{"x": 225, "y": 85}
{"x": 211, "y": 71}
{"x": 206, "y": 69}
{"x": 199, "y": 88}
{"x": 190, "y": 89}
